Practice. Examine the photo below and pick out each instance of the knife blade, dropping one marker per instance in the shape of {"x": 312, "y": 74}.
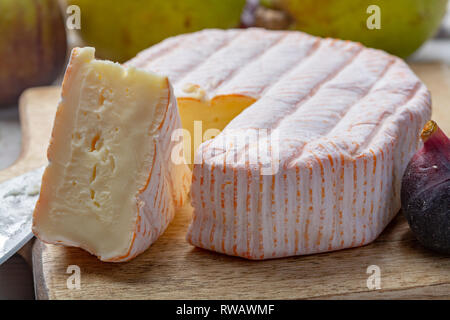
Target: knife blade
{"x": 18, "y": 197}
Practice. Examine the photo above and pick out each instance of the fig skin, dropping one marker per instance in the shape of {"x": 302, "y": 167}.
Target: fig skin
{"x": 425, "y": 193}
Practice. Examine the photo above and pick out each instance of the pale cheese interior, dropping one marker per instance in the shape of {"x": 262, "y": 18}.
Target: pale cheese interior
{"x": 101, "y": 154}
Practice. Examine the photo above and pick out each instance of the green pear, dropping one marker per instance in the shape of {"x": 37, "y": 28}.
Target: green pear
{"x": 120, "y": 29}
{"x": 32, "y": 45}
{"x": 397, "y": 26}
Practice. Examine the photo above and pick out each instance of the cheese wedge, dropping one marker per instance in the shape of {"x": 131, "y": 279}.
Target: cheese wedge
{"x": 110, "y": 186}
{"x": 321, "y": 131}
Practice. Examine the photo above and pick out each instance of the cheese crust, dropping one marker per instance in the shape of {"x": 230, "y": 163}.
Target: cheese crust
{"x": 339, "y": 121}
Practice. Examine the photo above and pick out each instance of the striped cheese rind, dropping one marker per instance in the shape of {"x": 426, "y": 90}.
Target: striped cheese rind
{"x": 343, "y": 120}
{"x": 166, "y": 189}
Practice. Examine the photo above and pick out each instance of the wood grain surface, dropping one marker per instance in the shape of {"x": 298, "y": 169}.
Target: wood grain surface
{"x": 37, "y": 109}
{"x": 173, "y": 269}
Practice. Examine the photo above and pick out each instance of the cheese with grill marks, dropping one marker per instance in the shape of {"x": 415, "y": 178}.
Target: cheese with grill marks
{"x": 316, "y": 135}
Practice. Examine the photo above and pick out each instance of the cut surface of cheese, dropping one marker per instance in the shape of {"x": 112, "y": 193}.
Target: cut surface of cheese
{"x": 320, "y": 133}
{"x": 110, "y": 187}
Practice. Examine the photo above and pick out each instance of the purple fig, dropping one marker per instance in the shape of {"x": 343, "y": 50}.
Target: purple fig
{"x": 425, "y": 193}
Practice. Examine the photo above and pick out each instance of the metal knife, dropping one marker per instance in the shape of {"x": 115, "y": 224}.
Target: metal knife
{"x": 18, "y": 197}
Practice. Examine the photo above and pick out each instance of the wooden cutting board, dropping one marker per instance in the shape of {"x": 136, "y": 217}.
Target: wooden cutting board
{"x": 173, "y": 269}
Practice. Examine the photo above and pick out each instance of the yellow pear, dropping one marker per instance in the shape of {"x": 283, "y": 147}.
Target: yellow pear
{"x": 119, "y": 29}
{"x": 396, "y": 26}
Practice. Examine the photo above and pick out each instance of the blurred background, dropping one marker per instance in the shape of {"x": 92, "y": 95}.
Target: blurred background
{"x": 36, "y": 37}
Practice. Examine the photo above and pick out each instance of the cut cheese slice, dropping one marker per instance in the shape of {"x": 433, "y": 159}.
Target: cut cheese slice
{"x": 110, "y": 186}
{"x": 334, "y": 125}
